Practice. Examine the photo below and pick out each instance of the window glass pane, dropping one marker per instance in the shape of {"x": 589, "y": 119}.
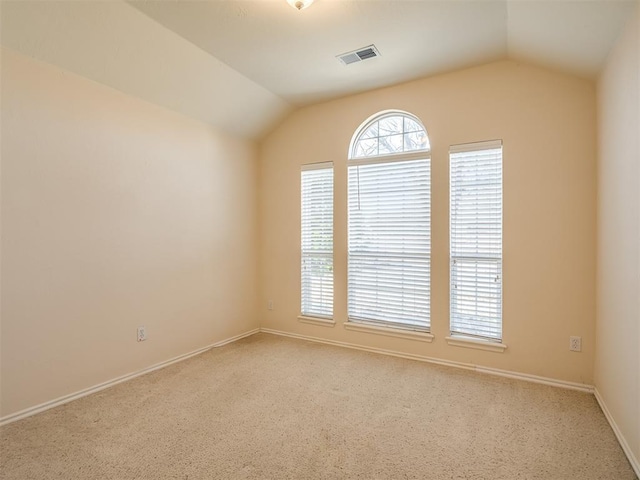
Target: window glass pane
{"x": 390, "y": 144}
{"x": 370, "y": 132}
{"x": 390, "y": 125}
{"x": 411, "y": 125}
{"x": 415, "y": 141}
{"x": 367, "y": 148}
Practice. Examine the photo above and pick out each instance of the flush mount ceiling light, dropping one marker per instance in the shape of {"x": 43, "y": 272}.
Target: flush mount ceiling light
{"x": 299, "y": 4}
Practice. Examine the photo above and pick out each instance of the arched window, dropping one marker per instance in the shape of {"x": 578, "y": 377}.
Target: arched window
{"x": 389, "y": 133}
{"x": 389, "y": 223}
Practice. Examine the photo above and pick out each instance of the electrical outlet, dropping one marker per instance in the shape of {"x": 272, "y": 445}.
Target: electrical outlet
{"x": 270, "y": 304}
{"x": 575, "y": 344}
{"x": 142, "y": 334}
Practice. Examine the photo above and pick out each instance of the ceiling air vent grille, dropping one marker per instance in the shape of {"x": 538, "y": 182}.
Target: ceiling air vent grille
{"x": 359, "y": 55}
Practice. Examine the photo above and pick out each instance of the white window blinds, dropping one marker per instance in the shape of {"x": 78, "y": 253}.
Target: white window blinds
{"x": 317, "y": 240}
{"x": 476, "y": 240}
{"x": 389, "y": 241}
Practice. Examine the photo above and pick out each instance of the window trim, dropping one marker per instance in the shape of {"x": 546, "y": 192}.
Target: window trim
{"x": 317, "y": 320}
{"x": 391, "y": 157}
{"x": 458, "y": 340}
{"x": 389, "y": 331}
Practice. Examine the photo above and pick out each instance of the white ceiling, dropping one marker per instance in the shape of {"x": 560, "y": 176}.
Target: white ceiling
{"x": 293, "y": 53}
{"x": 240, "y": 65}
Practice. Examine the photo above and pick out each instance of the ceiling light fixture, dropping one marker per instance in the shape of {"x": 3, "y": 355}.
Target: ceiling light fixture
{"x": 299, "y": 4}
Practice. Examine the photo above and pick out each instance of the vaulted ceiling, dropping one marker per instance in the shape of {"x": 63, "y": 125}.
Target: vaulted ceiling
{"x": 241, "y": 65}
{"x": 293, "y": 54}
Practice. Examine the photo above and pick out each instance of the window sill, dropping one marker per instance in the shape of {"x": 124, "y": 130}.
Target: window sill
{"x": 477, "y": 344}
{"x": 324, "y": 322}
{"x": 390, "y": 332}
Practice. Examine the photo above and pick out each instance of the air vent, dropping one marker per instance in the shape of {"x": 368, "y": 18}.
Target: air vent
{"x": 359, "y": 55}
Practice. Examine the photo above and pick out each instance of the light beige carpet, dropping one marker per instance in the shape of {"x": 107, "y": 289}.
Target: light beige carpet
{"x": 271, "y": 407}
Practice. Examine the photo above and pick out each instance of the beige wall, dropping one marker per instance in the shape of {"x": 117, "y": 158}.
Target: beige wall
{"x": 617, "y": 362}
{"x": 115, "y": 213}
{"x": 547, "y": 122}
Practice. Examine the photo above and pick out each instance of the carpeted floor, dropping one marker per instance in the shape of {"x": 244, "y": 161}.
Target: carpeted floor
{"x": 277, "y": 408}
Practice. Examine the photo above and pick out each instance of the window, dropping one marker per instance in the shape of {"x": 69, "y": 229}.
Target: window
{"x": 476, "y": 240}
{"x": 389, "y": 223}
{"x": 317, "y": 240}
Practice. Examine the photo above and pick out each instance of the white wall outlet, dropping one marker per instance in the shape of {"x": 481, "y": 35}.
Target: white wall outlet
{"x": 575, "y": 344}
{"x": 270, "y": 304}
{"x": 142, "y": 333}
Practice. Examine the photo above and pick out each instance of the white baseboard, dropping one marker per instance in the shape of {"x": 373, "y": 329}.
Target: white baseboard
{"x": 635, "y": 464}
{"x": 422, "y": 358}
{"x": 110, "y": 383}
{"x": 553, "y": 382}
{"x": 235, "y": 338}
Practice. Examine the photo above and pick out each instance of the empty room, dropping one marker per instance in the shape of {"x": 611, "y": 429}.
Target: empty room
{"x": 318, "y": 239}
